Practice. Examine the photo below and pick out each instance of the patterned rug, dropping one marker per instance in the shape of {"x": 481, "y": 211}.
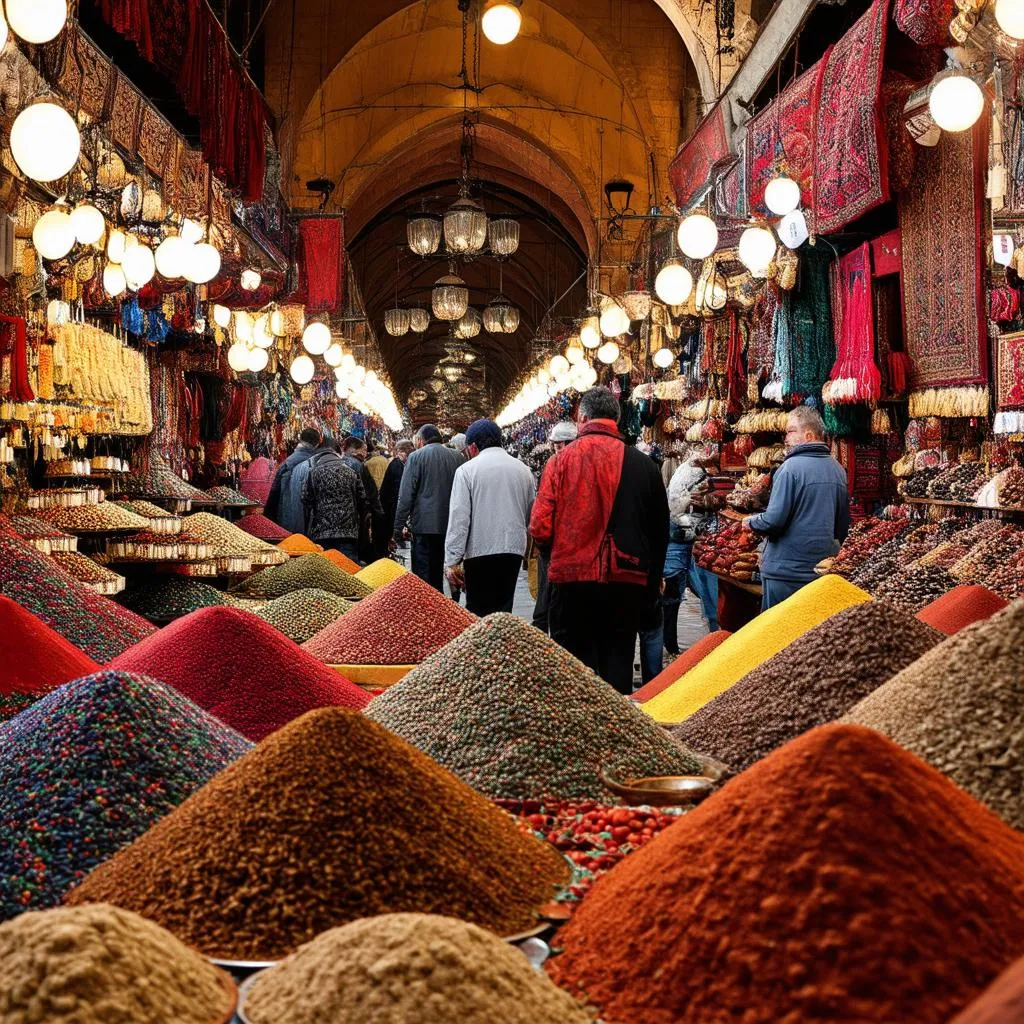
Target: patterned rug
{"x": 1010, "y": 370}
{"x": 850, "y": 153}
{"x": 943, "y": 298}
{"x": 690, "y": 169}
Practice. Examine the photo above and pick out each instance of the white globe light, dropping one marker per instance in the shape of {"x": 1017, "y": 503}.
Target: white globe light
{"x": 590, "y": 379}
{"x": 172, "y": 256}
{"x": 53, "y": 235}
{"x": 45, "y": 141}
{"x": 756, "y": 250}
{"x": 792, "y": 229}
{"x": 88, "y": 222}
{"x": 117, "y": 243}
{"x": 553, "y": 388}
{"x": 301, "y": 369}
{"x": 590, "y": 332}
{"x": 663, "y": 358}
{"x": 250, "y": 280}
{"x": 673, "y": 283}
{"x": 316, "y": 338}
{"x": 139, "y": 266}
{"x": 614, "y": 321}
{"x": 782, "y": 195}
{"x": 698, "y": 236}
{"x": 221, "y": 316}
{"x": 559, "y": 365}
{"x": 608, "y": 352}
{"x": 956, "y": 103}
{"x": 501, "y": 23}
{"x": 1010, "y": 17}
{"x": 238, "y": 357}
{"x": 114, "y": 283}
{"x": 544, "y": 376}
{"x": 348, "y": 362}
{"x": 574, "y": 353}
{"x": 244, "y": 326}
{"x": 341, "y": 389}
{"x": 258, "y": 360}
{"x": 203, "y": 264}
{"x": 334, "y": 355}
{"x": 262, "y": 337}
{"x": 191, "y": 231}
{"x": 37, "y": 21}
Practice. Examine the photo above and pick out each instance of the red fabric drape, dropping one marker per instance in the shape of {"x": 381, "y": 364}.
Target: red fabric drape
{"x": 12, "y": 343}
{"x": 321, "y": 263}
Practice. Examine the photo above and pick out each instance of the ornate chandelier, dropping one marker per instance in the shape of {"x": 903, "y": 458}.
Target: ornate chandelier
{"x": 503, "y": 236}
{"x": 468, "y": 325}
{"x": 465, "y": 227}
{"x": 423, "y": 233}
{"x": 450, "y": 297}
{"x": 501, "y": 317}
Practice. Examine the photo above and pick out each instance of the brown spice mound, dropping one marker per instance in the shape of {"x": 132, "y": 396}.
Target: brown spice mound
{"x": 103, "y": 965}
{"x": 1001, "y": 1003}
{"x": 330, "y": 819}
{"x": 408, "y": 969}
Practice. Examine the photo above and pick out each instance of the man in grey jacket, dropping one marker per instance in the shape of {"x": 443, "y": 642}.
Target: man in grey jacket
{"x": 490, "y": 512}
{"x": 423, "y": 502}
{"x": 808, "y": 515}
{"x": 284, "y": 503}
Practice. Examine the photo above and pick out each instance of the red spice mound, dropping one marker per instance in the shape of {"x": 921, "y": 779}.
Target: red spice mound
{"x": 400, "y": 624}
{"x": 1001, "y": 1003}
{"x": 840, "y": 878}
{"x": 960, "y": 607}
{"x": 258, "y": 525}
{"x": 690, "y": 657}
{"x": 239, "y": 668}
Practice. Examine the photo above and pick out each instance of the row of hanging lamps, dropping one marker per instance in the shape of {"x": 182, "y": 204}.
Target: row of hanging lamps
{"x": 450, "y": 297}
{"x": 468, "y": 325}
{"x": 465, "y": 227}
{"x": 45, "y": 142}
{"x": 503, "y": 236}
{"x": 423, "y": 233}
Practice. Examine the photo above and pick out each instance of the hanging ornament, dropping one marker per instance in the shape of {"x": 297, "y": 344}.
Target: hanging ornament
{"x": 139, "y": 266}
{"x": 203, "y": 264}
{"x": 114, "y": 283}
{"x": 663, "y": 358}
{"x": 221, "y": 316}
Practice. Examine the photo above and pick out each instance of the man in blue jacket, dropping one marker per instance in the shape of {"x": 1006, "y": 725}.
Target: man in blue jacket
{"x": 284, "y": 503}
{"x": 808, "y": 515}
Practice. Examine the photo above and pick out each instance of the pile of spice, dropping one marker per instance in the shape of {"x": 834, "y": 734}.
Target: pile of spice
{"x": 400, "y": 624}
{"x": 241, "y": 669}
{"x": 87, "y": 769}
{"x": 752, "y": 645}
{"x": 99, "y": 964}
{"x": 680, "y": 666}
{"x": 228, "y": 539}
{"x": 515, "y": 715}
{"x": 38, "y": 662}
{"x": 959, "y": 708}
{"x": 257, "y": 479}
{"x": 1001, "y": 1003}
{"x": 437, "y": 968}
{"x": 260, "y": 526}
{"x": 303, "y": 613}
{"x": 299, "y": 544}
{"x": 160, "y": 520}
{"x": 960, "y": 607}
{"x": 380, "y": 573}
{"x": 350, "y": 822}
{"x": 862, "y": 541}
{"x": 306, "y": 572}
{"x": 815, "y": 680}
{"x": 915, "y": 587}
{"x": 341, "y": 561}
{"x": 95, "y": 576}
{"x": 160, "y": 481}
{"x": 228, "y": 496}
{"x": 170, "y": 598}
{"x": 838, "y": 879}
{"x": 93, "y": 623}
{"x": 43, "y": 536}
{"x": 1008, "y": 580}
{"x": 104, "y": 517}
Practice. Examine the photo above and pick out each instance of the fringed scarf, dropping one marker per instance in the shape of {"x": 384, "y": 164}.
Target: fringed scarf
{"x": 855, "y": 377}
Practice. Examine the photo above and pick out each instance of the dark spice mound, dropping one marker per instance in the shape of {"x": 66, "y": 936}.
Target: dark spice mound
{"x": 306, "y": 572}
{"x": 327, "y": 821}
{"x": 813, "y": 681}
{"x": 515, "y": 715}
{"x": 170, "y": 598}
{"x": 839, "y": 879}
{"x": 241, "y": 669}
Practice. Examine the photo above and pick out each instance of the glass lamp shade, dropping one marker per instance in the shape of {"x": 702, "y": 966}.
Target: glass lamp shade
{"x": 637, "y": 304}
{"x": 172, "y": 256}
{"x": 419, "y": 320}
{"x": 674, "y": 283}
{"x": 465, "y": 227}
{"x": 757, "y": 250}
{"x": 558, "y": 365}
{"x": 221, "y": 316}
{"x": 139, "y": 266}
{"x": 956, "y": 103}
{"x": 500, "y": 316}
{"x": 501, "y": 23}
{"x": 114, "y": 283}
{"x": 590, "y": 332}
{"x": 663, "y": 358}
{"x": 450, "y": 298}
{"x": 608, "y": 353}
{"x": 396, "y": 322}
{"x": 301, "y": 370}
{"x": 45, "y": 142}
{"x": 191, "y": 231}
{"x": 203, "y": 264}
{"x": 244, "y": 326}
{"x": 238, "y": 357}
{"x": 316, "y": 338}
{"x": 1010, "y": 17}
{"x": 468, "y": 325}
{"x": 782, "y": 195}
{"x": 54, "y": 234}
{"x": 258, "y": 360}
{"x": 37, "y": 21}
{"x": 88, "y": 223}
{"x": 250, "y": 280}
{"x": 574, "y": 352}
{"x": 503, "y": 236}
{"x": 333, "y": 356}
{"x": 698, "y": 236}
{"x": 614, "y": 321}
{"x": 423, "y": 233}
{"x": 262, "y": 336}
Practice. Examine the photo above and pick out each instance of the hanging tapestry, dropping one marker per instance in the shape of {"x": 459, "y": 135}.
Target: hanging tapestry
{"x": 126, "y": 115}
{"x": 925, "y": 21}
{"x": 192, "y": 192}
{"x": 781, "y": 139}
{"x": 761, "y": 356}
{"x": 887, "y": 253}
{"x": 731, "y": 191}
{"x": 854, "y": 377}
{"x": 943, "y": 297}
{"x": 321, "y": 263}
{"x": 896, "y": 90}
{"x": 813, "y": 347}
{"x": 850, "y": 158}
{"x": 155, "y": 140}
{"x": 1010, "y": 370}
{"x": 690, "y": 169}
{"x": 86, "y": 75}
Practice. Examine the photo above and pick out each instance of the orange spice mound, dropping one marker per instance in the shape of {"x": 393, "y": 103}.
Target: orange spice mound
{"x": 299, "y": 544}
{"x": 960, "y": 607}
{"x": 342, "y": 561}
{"x": 690, "y": 657}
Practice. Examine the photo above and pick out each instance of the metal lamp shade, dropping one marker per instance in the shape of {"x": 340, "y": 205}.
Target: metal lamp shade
{"x": 396, "y": 322}
{"x": 501, "y": 317}
{"x": 465, "y": 227}
{"x": 503, "y": 235}
{"x": 423, "y": 233}
{"x": 450, "y": 298}
{"x": 468, "y": 325}
{"x": 419, "y": 320}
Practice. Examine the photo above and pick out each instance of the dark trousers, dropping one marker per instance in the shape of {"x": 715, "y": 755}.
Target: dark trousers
{"x": 597, "y": 622}
{"x": 541, "y": 608}
{"x": 348, "y": 546}
{"x": 428, "y": 558}
{"x": 491, "y": 583}
{"x": 777, "y": 590}
{"x": 670, "y": 602}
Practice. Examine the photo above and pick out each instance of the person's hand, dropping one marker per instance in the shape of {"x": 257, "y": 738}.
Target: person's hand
{"x": 456, "y": 576}
{"x": 406, "y": 535}
{"x": 392, "y": 546}
{"x": 662, "y": 590}
{"x": 746, "y": 523}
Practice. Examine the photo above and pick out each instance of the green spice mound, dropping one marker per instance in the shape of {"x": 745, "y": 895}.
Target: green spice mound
{"x": 307, "y": 572}
{"x": 171, "y": 598}
{"x": 328, "y": 820}
{"x": 515, "y": 715}
{"x": 408, "y": 969}
{"x": 303, "y": 613}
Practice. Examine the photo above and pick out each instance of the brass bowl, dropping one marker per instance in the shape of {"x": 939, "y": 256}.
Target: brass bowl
{"x": 660, "y": 791}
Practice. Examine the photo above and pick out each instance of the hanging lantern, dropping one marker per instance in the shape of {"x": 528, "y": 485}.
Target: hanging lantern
{"x": 663, "y": 358}
{"x": 1010, "y": 17}
{"x": 348, "y": 362}
{"x": 203, "y": 264}
{"x": 614, "y": 320}
{"x": 792, "y": 229}
{"x": 500, "y": 316}
{"x": 301, "y": 370}
{"x": 503, "y": 236}
{"x": 757, "y": 250}
{"x": 450, "y": 298}
{"x": 608, "y": 353}
{"x": 117, "y": 243}
{"x": 674, "y": 283}
{"x": 172, "y": 256}
{"x": 333, "y": 356}
{"x": 262, "y": 336}
{"x": 501, "y": 23}
{"x": 88, "y": 222}
{"x": 191, "y": 231}
{"x": 698, "y": 236}
{"x": 637, "y": 304}
{"x": 114, "y": 283}
{"x": 956, "y": 102}
{"x": 221, "y": 316}
{"x": 419, "y": 320}
{"x": 316, "y": 339}
{"x": 590, "y": 332}
{"x": 53, "y": 234}
{"x": 238, "y": 357}
{"x": 558, "y": 365}
{"x": 258, "y": 360}
{"x": 465, "y": 227}
{"x": 139, "y": 266}
{"x": 468, "y": 325}
{"x": 574, "y": 351}
{"x": 37, "y": 21}
{"x": 423, "y": 233}
{"x": 588, "y": 379}
{"x": 244, "y": 326}
{"x": 45, "y": 142}
{"x": 782, "y": 195}
{"x": 396, "y": 322}
{"x": 250, "y": 280}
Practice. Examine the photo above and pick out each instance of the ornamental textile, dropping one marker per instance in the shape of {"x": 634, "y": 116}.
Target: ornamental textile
{"x": 943, "y": 296}
{"x": 925, "y": 21}
{"x": 321, "y": 263}
{"x": 1010, "y": 370}
{"x": 780, "y": 139}
{"x": 896, "y": 90}
{"x": 855, "y": 377}
{"x": 761, "y": 355}
{"x": 690, "y": 169}
{"x": 850, "y": 152}
{"x": 812, "y": 341}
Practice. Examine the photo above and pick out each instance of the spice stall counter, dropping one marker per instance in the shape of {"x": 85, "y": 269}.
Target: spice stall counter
{"x": 968, "y": 505}
{"x": 750, "y": 588}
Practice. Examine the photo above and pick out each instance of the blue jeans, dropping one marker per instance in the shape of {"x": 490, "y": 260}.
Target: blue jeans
{"x": 705, "y": 586}
{"x": 651, "y": 643}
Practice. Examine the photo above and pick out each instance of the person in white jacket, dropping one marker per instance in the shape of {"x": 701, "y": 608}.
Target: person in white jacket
{"x": 492, "y": 497}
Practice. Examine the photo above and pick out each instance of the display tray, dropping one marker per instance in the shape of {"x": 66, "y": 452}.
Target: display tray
{"x": 376, "y": 677}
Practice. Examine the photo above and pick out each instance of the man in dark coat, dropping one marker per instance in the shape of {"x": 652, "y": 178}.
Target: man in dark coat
{"x": 284, "y": 503}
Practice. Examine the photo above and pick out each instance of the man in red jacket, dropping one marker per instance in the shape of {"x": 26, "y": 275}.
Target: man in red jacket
{"x": 602, "y": 513}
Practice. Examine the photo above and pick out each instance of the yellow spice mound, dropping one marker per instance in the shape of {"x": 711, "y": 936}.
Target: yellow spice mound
{"x": 380, "y": 573}
{"x": 752, "y": 645}
{"x": 299, "y": 544}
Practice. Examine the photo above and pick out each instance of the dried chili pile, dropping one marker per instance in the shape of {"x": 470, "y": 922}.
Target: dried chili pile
{"x": 1001, "y": 1003}
{"x": 260, "y": 526}
{"x": 87, "y": 769}
{"x": 90, "y": 621}
{"x": 815, "y": 680}
{"x": 303, "y": 613}
{"x": 241, "y": 669}
{"x": 515, "y": 715}
{"x": 329, "y": 820}
{"x": 303, "y": 573}
{"x": 838, "y": 879}
{"x": 403, "y": 623}
{"x": 680, "y": 666}
{"x": 36, "y": 659}
{"x": 170, "y": 598}
{"x": 960, "y": 607}
{"x": 959, "y": 709}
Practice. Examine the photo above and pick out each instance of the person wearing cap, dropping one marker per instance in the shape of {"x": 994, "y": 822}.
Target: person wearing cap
{"x": 458, "y": 444}
{"x": 487, "y": 526}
